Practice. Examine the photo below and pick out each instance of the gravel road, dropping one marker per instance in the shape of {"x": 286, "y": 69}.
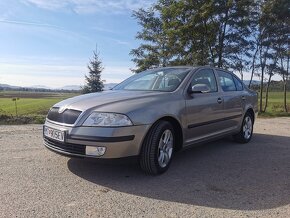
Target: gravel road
{"x": 218, "y": 179}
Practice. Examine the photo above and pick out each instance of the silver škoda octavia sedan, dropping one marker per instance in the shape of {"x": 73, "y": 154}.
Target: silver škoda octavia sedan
{"x": 152, "y": 115}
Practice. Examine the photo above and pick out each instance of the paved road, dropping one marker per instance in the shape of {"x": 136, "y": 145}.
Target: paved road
{"x": 220, "y": 179}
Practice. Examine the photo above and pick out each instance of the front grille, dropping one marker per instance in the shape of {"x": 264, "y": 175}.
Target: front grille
{"x": 69, "y": 116}
{"x": 67, "y": 147}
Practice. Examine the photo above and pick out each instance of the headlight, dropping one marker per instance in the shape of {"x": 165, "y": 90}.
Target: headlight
{"x": 107, "y": 120}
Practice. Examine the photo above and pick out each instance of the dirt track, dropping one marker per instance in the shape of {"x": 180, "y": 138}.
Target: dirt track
{"x": 219, "y": 179}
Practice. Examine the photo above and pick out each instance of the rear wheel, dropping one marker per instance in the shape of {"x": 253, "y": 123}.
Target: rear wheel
{"x": 157, "y": 149}
{"x": 246, "y": 132}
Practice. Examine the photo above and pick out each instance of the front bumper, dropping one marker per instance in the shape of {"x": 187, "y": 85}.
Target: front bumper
{"x": 119, "y": 141}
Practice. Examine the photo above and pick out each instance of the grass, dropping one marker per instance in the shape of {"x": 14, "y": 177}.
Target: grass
{"x": 32, "y": 107}
{"x": 27, "y": 106}
{"x": 275, "y": 105}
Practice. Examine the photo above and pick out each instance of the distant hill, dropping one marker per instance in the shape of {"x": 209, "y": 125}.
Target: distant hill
{"x": 254, "y": 82}
{"x": 39, "y": 87}
{"x": 71, "y": 87}
{"x": 42, "y": 88}
{"x": 9, "y": 86}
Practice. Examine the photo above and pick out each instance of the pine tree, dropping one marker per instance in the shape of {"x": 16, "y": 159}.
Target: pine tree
{"x": 93, "y": 80}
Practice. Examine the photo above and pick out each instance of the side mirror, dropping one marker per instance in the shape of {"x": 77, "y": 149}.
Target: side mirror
{"x": 199, "y": 88}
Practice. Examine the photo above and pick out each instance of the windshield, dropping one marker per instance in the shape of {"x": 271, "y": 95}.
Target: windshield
{"x": 166, "y": 79}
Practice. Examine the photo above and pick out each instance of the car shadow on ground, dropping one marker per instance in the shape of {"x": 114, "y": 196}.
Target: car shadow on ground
{"x": 221, "y": 174}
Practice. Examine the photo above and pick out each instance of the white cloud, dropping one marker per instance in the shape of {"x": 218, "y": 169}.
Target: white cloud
{"x": 53, "y": 31}
{"x": 25, "y": 23}
{"x": 56, "y": 75}
{"x": 101, "y": 29}
{"x": 119, "y": 42}
{"x": 50, "y": 5}
{"x": 59, "y": 32}
{"x": 91, "y": 6}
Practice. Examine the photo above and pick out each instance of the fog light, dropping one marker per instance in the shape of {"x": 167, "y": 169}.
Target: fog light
{"x": 95, "y": 151}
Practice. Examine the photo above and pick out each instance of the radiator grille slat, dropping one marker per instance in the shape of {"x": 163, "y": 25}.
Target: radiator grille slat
{"x": 69, "y": 116}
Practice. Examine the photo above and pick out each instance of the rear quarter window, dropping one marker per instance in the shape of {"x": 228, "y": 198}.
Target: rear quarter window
{"x": 238, "y": 84}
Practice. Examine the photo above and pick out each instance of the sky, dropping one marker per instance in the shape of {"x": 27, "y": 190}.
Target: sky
{"x": 50, "y": 42}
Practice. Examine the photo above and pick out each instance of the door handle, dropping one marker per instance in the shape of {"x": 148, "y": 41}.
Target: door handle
{"x": 219, "y": 100}
{"x": 243, "y": 98}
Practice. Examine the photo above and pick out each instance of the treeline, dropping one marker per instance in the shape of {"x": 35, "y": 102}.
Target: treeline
{"x": 275, "y": 86}
{"x": 239, "y": 35}
{"x": 23, "y": 89}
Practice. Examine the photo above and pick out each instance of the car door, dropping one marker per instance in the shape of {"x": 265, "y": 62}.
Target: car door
{"x": 204, "y": 111}
{"x": 233, "y": 99}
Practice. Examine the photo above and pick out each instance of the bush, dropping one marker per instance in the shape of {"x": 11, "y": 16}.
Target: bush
{"x": 17, "y": 120}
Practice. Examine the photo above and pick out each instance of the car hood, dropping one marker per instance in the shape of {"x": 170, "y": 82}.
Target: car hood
{"x": 95, "y": 100}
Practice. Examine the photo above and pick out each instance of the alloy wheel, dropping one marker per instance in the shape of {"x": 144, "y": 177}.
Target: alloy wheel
{"x": 165, "y": 148}
{"x": 247, "y": 127}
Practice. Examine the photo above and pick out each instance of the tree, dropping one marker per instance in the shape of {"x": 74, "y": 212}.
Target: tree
{"x": 190, "y": 32}
{"x": 281, "y": 31}
{"x": 253, "y": 62}
{"x": 273, "y": 41}
{"x": 248, "y": 35}
{"x": 210, "y": 32}
{"x": 93, "y": 80}
{"x": 262, "y": 34}
{"x": 153, "y": 53}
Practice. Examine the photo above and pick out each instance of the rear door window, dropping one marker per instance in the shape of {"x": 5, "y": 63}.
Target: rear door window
{"x": 226, "y": 81}
{"x": 239, "y": 84}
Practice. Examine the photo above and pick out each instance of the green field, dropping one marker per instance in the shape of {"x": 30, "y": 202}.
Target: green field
{"x": 29, "y": 103}
{"x": 32, "y": 107}
{"x": 27, "y": 106}
{"x": 275, "y": 105}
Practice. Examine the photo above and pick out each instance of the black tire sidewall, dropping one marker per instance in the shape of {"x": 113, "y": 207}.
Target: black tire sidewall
{"x": 165, "y": 125}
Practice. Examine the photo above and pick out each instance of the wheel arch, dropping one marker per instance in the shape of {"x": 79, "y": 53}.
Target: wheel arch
{"x": 251, "y": 112}
{"x": 177, "y": 129}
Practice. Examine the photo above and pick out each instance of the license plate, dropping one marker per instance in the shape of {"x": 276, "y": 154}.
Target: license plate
{"x": 53, "y": 133}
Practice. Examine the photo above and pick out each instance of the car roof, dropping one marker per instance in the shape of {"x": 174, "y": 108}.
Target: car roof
{"x": 198, "y": 67}
{"x": 175, "y": 67}
{"x": 194, "y": 67}
{"x": 190, "y": 67}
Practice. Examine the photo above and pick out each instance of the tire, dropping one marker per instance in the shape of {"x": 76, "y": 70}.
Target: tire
{"x": 246, "y": 131}
{"x": 157, "y": 149}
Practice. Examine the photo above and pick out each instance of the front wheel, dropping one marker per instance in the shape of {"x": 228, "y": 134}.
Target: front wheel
{"x": 246, "y": 132}
{"x": 157, "y": 149}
